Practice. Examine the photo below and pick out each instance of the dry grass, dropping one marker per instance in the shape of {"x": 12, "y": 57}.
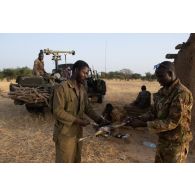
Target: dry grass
{"x": 28, "y": 138}
{"x": 126, "y": 91}
{"x": 24, "y": 137}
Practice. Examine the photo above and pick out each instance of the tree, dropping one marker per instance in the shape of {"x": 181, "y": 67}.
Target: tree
{"x": 136, "y": 76}
{"x": 126, "y": 71}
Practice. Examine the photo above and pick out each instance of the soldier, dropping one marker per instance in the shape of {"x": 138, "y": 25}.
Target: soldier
{"x": 38, "y": 69}
{"x": 141, "y": 104}
{"x": 112, "y": 114}
{"x": 169, "y": 117}
{"x": 70, "y": 103}
{"x": 143, "y": 99}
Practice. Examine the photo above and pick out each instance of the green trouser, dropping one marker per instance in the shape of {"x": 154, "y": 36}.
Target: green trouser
{"x": 68, "y": 149}
{"x": 172, "y": 153}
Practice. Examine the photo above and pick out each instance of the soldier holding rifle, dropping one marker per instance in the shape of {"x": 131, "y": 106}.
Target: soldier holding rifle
{"x": 169, "y": 117}
{"x": 70, "y": 103}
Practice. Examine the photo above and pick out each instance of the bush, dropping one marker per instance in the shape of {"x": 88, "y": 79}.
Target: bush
{"x": 12, "y": 73}
{"x": 136, "y": 76}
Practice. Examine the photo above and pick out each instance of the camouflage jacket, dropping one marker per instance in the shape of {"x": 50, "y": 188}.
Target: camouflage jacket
{"x": 68, "y": 104}
{"x": 38, "y": 68}
{"x": 170, "y": 115}
{"x": 115, "y": 116}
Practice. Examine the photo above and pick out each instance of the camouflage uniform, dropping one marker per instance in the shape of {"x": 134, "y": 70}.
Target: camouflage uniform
{"x": 69, "y": 104}
{"x": 117, "y": 116}
{"x": 170, "y": 118}
{"x": 38, "y": 69}
{"x": 114, "y": 116}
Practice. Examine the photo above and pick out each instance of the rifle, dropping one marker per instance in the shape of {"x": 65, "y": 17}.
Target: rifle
{"x": 104, "y": 130}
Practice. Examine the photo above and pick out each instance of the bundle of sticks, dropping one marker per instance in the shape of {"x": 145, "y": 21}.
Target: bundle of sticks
{"x": 30, "y": 95}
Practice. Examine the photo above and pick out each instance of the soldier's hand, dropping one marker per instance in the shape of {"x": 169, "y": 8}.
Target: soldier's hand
{"x": 55, "y": 137}
{"x": 103, "y": 122}
{"x": 128, "y": 120}
{"x": 82, "y": 122}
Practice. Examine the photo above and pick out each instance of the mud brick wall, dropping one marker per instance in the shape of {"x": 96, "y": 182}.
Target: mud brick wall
{"x": 185, "y": 68}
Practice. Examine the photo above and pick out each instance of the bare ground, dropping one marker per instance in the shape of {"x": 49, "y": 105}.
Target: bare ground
{"x": 27, "y": 137}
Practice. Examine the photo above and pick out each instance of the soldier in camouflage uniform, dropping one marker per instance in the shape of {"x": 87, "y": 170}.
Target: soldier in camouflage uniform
{"x": 113, "y": 114}
{"x": 38, "y": 68}
{"x": 70, "y": 103}
{"x": 169, "y": 117}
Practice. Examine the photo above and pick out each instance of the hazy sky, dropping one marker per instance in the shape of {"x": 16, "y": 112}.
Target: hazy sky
{"x": 138, "y": 52}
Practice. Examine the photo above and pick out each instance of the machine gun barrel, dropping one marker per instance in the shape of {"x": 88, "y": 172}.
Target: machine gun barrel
{"x": 54, "y": 52}
{"x": 56, "y": 55}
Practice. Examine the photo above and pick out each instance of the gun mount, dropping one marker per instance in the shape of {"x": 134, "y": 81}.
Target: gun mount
{"x": 57, "y": 55}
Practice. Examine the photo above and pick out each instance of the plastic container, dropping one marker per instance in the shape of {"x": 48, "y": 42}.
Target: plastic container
{"x": 149, "y": 144}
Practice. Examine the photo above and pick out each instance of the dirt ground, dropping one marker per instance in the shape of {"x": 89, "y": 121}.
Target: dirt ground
{"x": 26, "y": 137}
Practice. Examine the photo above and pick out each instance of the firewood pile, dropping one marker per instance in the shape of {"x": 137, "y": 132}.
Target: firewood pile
{"x": 30, "y": 95}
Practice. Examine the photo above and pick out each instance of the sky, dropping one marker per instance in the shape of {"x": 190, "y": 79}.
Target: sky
{"x": 138, "y": 52}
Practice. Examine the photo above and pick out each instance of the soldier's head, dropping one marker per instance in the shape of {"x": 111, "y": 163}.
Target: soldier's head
{"x": 108, "y": 111}
{"x": 143, "y": 88}
{"x": 109, "y": 108}
{"x": 41, "y": 55}
{"x": 80, "y": 71}
{"x": 165, "y": 73}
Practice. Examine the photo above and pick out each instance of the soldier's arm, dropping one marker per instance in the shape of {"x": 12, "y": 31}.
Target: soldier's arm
{"x": 44, "y": 68}
{"x": 35, "y": 68}
{"x": 141, "y": 121}
{"x": 148, "y": 116}
{"x": 180, "y": 106}
{"x": 41, "y": 67}
{"x": 138, "y": 98}
{"x": 58, "y": 107}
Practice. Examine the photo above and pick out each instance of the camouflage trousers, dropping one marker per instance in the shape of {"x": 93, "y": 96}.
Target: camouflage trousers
{"x": 172, "y": 153}
{"x": 68, "y": 149}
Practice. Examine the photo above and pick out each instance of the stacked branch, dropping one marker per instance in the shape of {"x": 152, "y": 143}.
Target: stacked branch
{"x": 30, "y": 95}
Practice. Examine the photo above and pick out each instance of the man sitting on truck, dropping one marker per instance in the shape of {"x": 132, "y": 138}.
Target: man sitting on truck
{"x": 38, "y": 69}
